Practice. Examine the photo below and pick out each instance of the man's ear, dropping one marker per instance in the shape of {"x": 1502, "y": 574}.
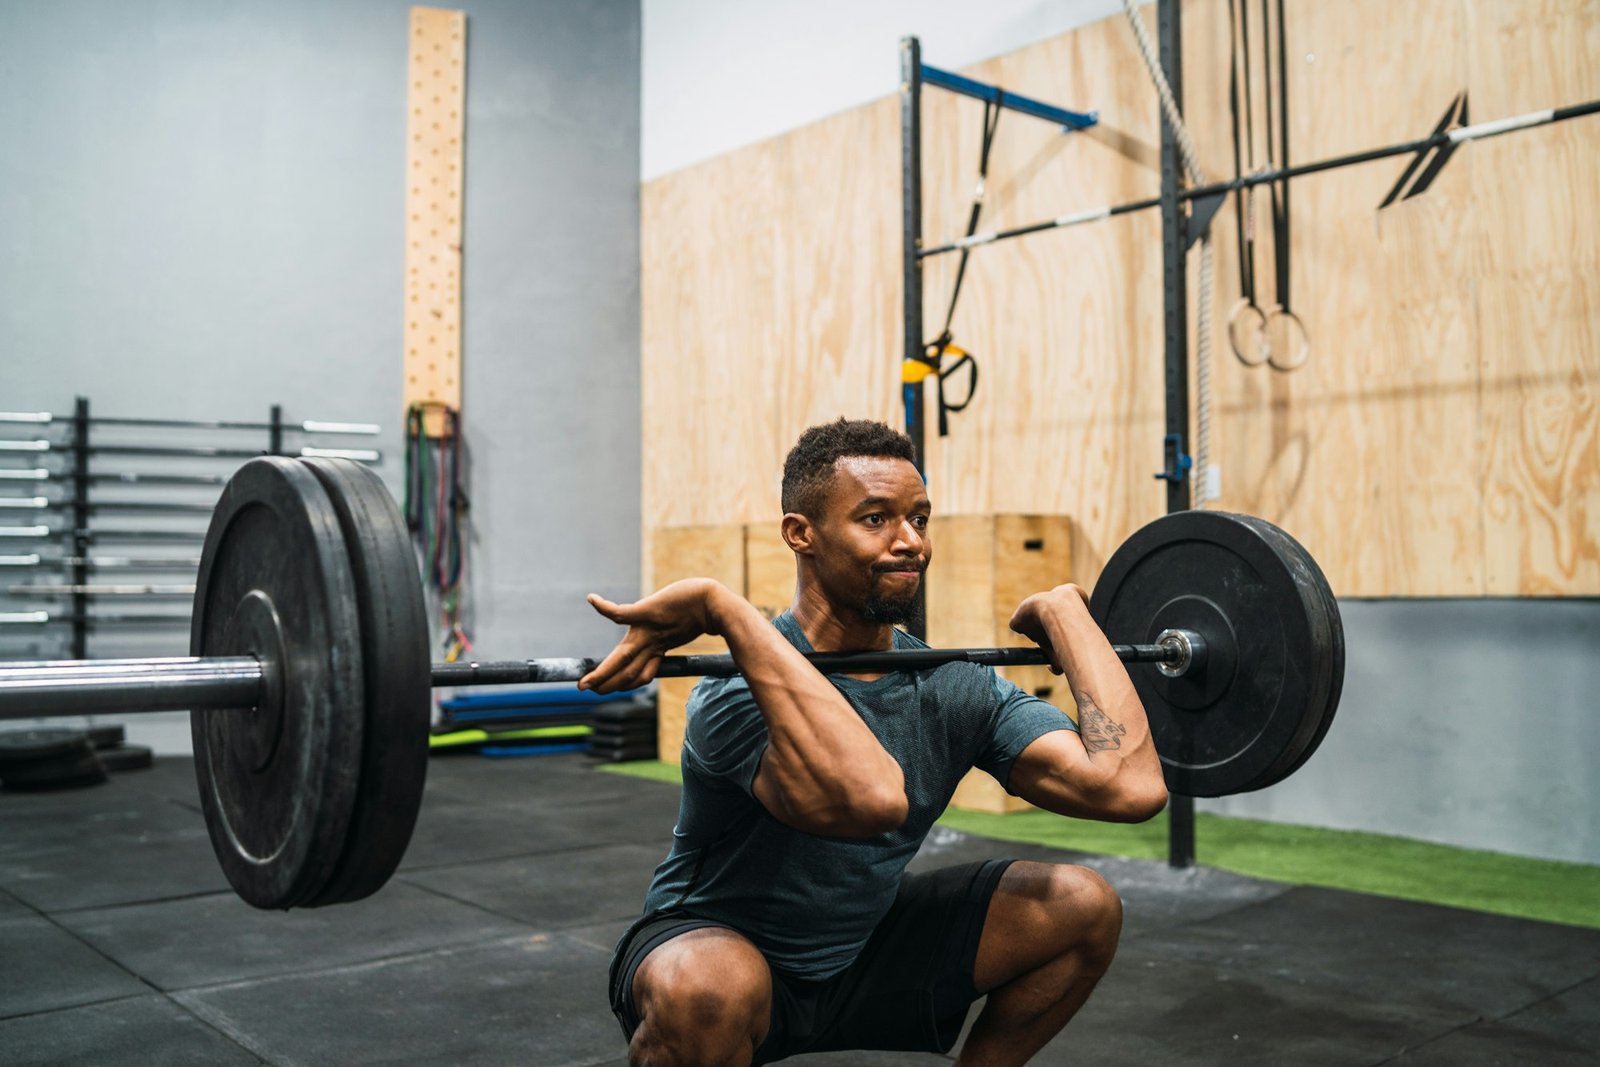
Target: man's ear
{"x": 798, "y": 533}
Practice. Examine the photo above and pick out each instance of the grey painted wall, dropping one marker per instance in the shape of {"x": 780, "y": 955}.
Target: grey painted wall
{"x": 201, "y": 213}
{"x": 1468, "y": 722}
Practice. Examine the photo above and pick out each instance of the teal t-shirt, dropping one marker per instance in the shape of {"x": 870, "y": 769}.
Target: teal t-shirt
{"x": 808, "y": 902}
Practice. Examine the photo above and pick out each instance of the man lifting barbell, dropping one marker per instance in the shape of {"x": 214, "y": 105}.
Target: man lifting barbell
{"x": 309, "y": 684}
{"x": 781, "y": 921}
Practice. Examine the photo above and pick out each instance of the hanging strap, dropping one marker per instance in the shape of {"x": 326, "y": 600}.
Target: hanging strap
{"x": 991, "y": 122}
{"x": 1283, "y": 147}
{"x": 1278, "y": 150}
{"x": 945, "y": 406}
{"x": 933, "y": 359}
{"x": 1243, "y": 145}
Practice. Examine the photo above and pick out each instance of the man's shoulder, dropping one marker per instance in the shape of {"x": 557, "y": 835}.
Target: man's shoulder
{"x": 717, "y": 692}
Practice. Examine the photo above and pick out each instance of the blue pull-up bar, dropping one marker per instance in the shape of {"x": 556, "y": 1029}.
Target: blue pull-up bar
{"x": 956, "y": 83}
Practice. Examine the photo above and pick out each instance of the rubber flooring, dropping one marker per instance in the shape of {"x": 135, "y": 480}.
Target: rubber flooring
{"x": 120, "y": 943}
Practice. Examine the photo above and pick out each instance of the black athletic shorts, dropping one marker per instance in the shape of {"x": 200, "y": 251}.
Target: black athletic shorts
{"x": 909, "y": 989}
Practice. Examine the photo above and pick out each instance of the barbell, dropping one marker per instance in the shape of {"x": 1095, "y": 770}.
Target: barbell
{"x": 308, "y": 683}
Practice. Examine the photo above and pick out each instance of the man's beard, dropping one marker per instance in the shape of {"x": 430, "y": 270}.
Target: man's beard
{"x": 896, "y": 610}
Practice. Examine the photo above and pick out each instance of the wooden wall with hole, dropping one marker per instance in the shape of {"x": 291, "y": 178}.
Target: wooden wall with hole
{"x": 1444, "y": 439}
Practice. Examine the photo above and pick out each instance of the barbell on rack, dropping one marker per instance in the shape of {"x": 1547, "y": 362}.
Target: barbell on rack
{"x": 309, "y": 681}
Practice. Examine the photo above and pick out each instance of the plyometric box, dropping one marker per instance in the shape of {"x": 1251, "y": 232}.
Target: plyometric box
{"x": 984, "y": 566}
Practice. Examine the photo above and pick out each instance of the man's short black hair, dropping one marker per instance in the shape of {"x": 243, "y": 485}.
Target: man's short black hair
{"x": 808, "y": 470}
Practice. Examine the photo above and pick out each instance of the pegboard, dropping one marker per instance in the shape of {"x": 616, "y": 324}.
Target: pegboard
{"x": 435, "y": 121}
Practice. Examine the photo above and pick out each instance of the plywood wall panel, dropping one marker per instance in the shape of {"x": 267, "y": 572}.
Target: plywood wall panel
{"x": 1388, "y": 324}
{"x": 1442, "y": 440}
{"x": 714, "y": 317}
{"x": 1538, "y": 287}
{"x": 769, "y": 568}
{"x": 840, "y": 356}
{"x": 1541, "y": 420}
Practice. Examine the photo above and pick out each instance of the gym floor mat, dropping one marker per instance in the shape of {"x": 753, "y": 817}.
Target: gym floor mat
{"x": 491, "y": 945}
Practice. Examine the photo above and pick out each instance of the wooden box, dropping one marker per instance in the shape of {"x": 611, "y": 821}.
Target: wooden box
{"x": 983, "y": 567}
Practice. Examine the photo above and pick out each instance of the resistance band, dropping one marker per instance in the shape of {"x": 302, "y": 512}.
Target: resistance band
{"x": 435, "y": 510}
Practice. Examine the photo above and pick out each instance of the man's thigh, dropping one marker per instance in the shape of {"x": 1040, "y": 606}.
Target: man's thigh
{"x": 913, "y": 982}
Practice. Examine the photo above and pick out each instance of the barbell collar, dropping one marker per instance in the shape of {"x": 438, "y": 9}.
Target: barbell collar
{"x": 1187, "y": 652}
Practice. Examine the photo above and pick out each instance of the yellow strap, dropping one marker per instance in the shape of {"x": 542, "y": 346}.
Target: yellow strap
{"x": 913, "y": 371}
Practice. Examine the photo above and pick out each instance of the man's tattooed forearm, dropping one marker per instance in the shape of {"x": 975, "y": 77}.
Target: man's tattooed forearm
{"x": 1098, "y": 732}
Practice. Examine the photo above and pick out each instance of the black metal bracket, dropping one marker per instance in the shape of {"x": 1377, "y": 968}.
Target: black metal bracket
{"x": 1201, "y": 212}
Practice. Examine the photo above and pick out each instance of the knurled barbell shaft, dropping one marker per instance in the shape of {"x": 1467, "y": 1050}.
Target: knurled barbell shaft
{"x": 51, "y": 688}
{"x": 524, "y": 672}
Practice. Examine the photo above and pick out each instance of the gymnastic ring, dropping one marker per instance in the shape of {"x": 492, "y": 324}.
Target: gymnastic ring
{"x": 1235, "y": 332}
{"x": 1301, "y": 352}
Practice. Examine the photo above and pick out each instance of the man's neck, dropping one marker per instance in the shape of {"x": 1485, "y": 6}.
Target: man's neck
{"x": 833, "y": 629}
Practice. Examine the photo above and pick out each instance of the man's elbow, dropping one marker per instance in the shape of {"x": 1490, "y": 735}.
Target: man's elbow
{"x": 889, "y": 809}
{"x": 1138, "y": 802}
{"x": 856, "y": 809}
{"x": 879, "y": 809}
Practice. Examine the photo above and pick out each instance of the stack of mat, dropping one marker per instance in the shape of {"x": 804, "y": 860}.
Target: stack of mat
{"x": 624, "y": 731}
{"x": 528, "y": 722}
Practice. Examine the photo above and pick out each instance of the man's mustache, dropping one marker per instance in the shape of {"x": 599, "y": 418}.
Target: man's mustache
{"x": 918, "y": 565}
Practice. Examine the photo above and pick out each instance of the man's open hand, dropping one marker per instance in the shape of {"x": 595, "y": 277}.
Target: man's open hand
{"x": 656, "y": 624}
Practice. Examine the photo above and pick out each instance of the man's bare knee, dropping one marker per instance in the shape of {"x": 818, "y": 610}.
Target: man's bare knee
{"x": 1049, "y": 909}
{"x": 703, "y": 998}
{"x": 1091, "y": 907}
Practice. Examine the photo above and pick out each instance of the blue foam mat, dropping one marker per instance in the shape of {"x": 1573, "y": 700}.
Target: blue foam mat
{"x": 551, "y": 697}
{"x": 509, "y": 751}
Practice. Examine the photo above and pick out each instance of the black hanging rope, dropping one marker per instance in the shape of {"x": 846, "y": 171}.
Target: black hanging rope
{"x": 991, "y": 122}
{"x": 943, "y": 345}
{"x": 1278, "y": 152}
{"x": 1239, "y": 27}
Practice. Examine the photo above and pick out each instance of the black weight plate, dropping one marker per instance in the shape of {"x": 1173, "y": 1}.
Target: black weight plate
{"x": 1250, "y": 715}
{"x": 109, "y": 736}
{"x": 60, "y": 771}
{"x": 41, "y": 742}
{"x": 278, "y": 782}
{"x": 398, "y": 682}
{"x": 126, "y": 757}
{"x": 1332, "y": 645}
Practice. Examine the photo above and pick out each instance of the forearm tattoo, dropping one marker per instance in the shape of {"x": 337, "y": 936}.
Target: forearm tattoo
{"x": 1097, "y": 730}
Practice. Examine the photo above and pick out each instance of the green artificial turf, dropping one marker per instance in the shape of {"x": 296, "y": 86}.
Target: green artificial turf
{"x": 654, "y": 770}
{"x": 1301, "y": 855}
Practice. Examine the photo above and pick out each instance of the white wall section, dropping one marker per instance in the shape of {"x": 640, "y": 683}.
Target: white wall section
{"x": 718, "y": 74}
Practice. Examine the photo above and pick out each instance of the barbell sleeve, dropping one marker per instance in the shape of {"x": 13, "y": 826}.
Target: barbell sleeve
{"x": 43, "y": 689}
{"x": 51, "y": 688}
